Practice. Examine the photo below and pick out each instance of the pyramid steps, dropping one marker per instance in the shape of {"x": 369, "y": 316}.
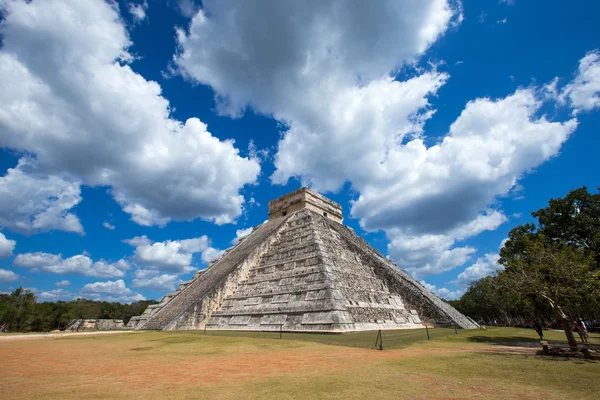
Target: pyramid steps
{"x": 301, "y": 271}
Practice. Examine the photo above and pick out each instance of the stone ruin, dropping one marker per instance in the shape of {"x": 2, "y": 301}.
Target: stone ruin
{"x": 302, "y": 270}
{"x": 95, "y": 325}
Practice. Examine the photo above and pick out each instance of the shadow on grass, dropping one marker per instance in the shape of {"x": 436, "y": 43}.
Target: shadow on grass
{"x": 517, "y": 341}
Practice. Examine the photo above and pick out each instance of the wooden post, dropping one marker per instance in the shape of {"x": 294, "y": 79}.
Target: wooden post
{"x": 280, "y": 331}
{"x": 379, "y": 340}
{"x": 455, "y": 330}
{"x": 205, "y": 329}
{"x": 427, "y": 330}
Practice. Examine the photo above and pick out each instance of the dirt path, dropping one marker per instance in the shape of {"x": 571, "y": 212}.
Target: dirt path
{"x": 51, "y": 335}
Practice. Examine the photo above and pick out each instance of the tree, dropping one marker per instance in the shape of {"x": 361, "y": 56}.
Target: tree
{"x": 19, "y": 311}
{"x": 573, "y": 220}
{"x": 539, "y": 269}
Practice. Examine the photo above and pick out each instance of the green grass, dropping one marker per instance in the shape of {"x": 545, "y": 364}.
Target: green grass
{"x": 483, "y": 364}
{"x": 397, "y": 339}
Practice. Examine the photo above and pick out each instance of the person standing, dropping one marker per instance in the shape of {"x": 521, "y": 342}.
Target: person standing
{"x": 538, "y": 328}
{"x": 580, "y": 327}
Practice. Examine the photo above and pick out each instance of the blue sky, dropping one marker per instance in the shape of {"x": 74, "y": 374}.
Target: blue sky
{"x": 139, "y": 139}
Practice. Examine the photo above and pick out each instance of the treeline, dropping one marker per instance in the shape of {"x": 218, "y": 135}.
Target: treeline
{"x": 551, "y": 268}
{"x": 20, "y": 312}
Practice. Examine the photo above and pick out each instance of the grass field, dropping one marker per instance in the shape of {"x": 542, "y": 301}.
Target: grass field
{"x": 494, "y": 364}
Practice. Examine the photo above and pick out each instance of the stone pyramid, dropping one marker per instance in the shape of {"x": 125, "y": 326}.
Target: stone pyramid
{"x": 302, "y": 270}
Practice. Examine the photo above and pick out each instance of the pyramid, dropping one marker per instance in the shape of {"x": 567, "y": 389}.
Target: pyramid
{"x": 302, "y": 270}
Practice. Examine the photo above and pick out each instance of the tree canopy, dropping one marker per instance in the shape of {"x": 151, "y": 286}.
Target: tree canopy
{"x": 550, "y": 267}
{"x": 20, "y": 311}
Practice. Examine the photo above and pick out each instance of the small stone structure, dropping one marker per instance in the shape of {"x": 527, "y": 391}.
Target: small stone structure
{"x": 95, "y": 325}
{"x": 302, "y": 270}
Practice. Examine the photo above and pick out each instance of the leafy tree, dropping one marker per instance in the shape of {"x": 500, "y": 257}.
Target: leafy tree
{"x": 19, "y": 311}
{"x": 573, "y": 220}
{"x": 539, "y": 269}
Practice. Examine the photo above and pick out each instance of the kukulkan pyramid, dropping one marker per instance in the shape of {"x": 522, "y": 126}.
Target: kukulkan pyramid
{"x": 302, "y": 270}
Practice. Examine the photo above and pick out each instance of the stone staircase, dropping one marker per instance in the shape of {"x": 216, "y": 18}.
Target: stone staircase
{"x": 211, "y": 280}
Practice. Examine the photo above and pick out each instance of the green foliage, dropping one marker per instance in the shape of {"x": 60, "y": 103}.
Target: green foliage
{"x": 20, "y": 312}
{"x": 548, "y": 271}
{"x": 554, "y": 262}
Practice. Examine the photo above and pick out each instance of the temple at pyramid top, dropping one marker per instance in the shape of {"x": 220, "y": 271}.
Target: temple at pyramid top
{"x": 305, "y": 198}
{"x": 301, "y": 270}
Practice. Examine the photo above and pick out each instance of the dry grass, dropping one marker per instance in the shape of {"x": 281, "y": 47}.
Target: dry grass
{"x": 163, "y": 365}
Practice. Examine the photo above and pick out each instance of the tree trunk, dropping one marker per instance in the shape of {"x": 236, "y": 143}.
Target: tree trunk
{"x": 564, "y": 321}
{"x": 566, "y": 325}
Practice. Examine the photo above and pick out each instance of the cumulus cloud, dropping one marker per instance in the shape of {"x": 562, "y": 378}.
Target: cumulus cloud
{"x": 79, "y": 264}
{"x": 110, "y": 291}
{"x": 32, "y": 201}
{"x": 154, "y": 280}
{"x": 138, "y": 11}
{"x": 211, "y": 254}
{"x": 70, "y": 99}
{"x": 484, "y": 266}
{"x": 173, "y": 256}
{"x": 108, "y": 226}
{"x": 442, "y": 193}
{"x": 110, "y": 287}
{"x": 8, "y": 276}
{"x": 583, "y": 93}
{"x": 63, "y": 283}
{"x": 240, "y": 234}
{"x": 443, "y": 292}
{"x": 347, "y": 119}
{"x": 187, "y": 8}
{"x": 288, "y": 58}
{"x": 429, "y": 254}
{"x": 6, "y": 246}
{"x": 55, "y": 295}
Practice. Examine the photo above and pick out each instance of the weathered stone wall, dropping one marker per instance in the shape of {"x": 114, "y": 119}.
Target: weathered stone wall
{"x": 95, "y": 324}
{"x": 208, "y": 283}
{"x": 305, "y": 198}
{"x": 430, "y": 307}
{"x": 301, "y": 272}
{"x": 287, "y": 287}
{"x": 368, "y": 299}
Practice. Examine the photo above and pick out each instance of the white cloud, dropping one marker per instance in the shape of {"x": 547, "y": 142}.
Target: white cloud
{"x": 211, "y": 254}
{"x": 63, "y": 283}
{"x": 173, "y": 256}
{"x": 484, "y": 266}
{"x": 289, "y": 59}
{"x": 110, "y": 287}
{"x": 502, "y": 21}
{"x": 442, "y": 193}
{"x": 6, "y": 246}
{"x": 187, "y": 8}
{"x": 33, "y": 201}
{"x": 69, "y": 98}
{"x": 150, "y": 279}
{"x": 443, "y": 292}
{"x": 583, "y": 93}
{"x": 110, "y": 291}
{"x": 8, "y": 276}
{"x": 78, "y": 264}
{"x": 240, "y": 234}
{"x": 138, "y": 11}
{"x": 108, "y": 226}
{"x": 55, "y": 295}
{"x": 138, "y": 241}
{"x": 348, "y": 120}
